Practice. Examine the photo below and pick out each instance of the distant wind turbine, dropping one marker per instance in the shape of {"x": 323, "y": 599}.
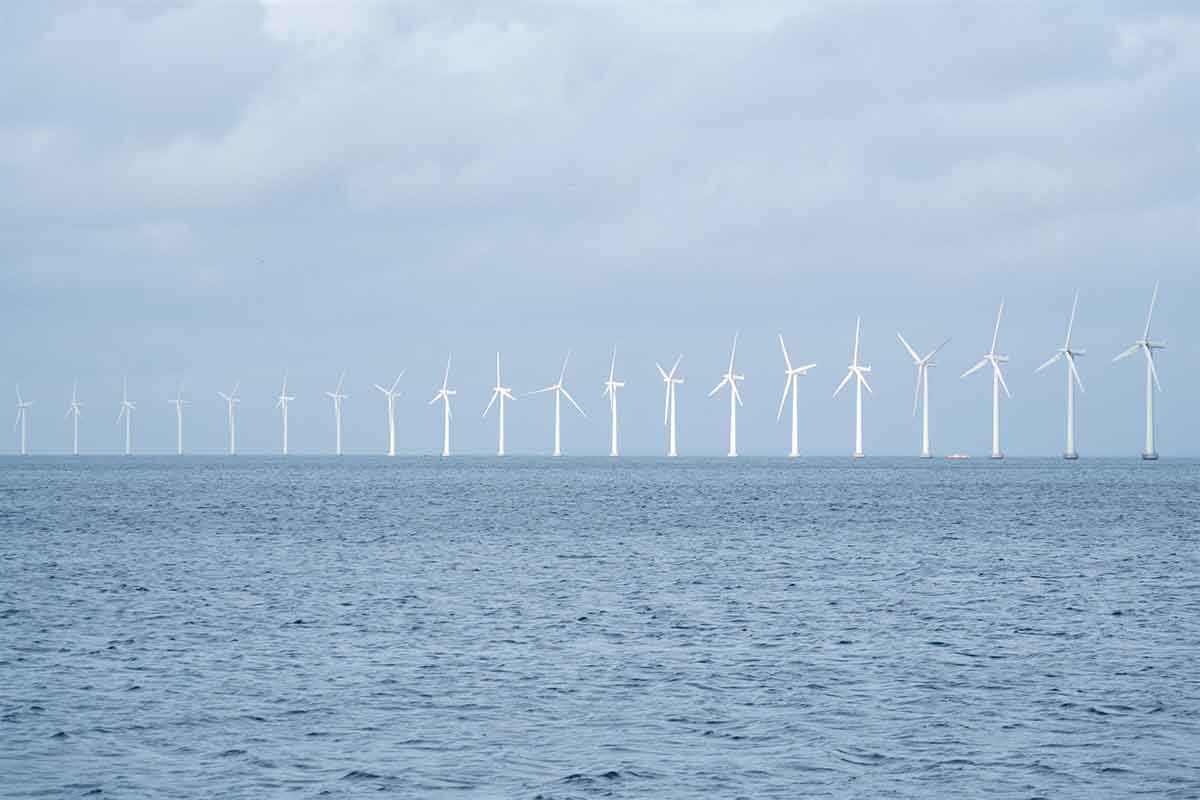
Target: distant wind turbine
{"x": 338, "y": 397}
{"x": 791, "y": 385}
{"x": 921, "y": 394}
{"x": 444, "y": 394}
{"x": 669, "y": 403}
{"x": 21, "y": 422}
{"x": 997, "y": 382}
{"x": 231, "y": 400}
{"x": 859, "y": 373}
{"x": 499, "y": 392}
{"x": 559, "y": 393}
{"x": 126, "y": 412}
{"x": 1072, "y": 379}
{"x": 179, "y": 403}
{"x": 1148, "y": 347}
{"x": 391, "y": 395}
{"x": 730, "y": 379}
{"x": 73, "y": 410}
{"x": 610, "y": 391}
{"x": 281, "y": 403}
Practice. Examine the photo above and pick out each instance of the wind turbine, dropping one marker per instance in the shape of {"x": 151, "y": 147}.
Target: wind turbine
{"x": 232, "y": 400}
{"x": 730, "y": 378}
{"x": 1148, "y": 347}
{"x": 669, "y": 402}
{"x": 859, "y": 373}
{"x": 391, "y": 395}
{"x": 791, "y": 384}
{"x": 21, "y": 422}
{"x": 338, "y": 397}
{"x": 560, "y": 392}
{"x": 501, "y": 392}
{"x": 126, "y": 412}
{"x": 921, "y": 394}
{"x": 997, "y": 382}
{"x": 610, "y": 391}
{"x": 179, "y": 403}
{"x": 282, "y": 404}
{"x": 1072, "y": 378}
{"x": 73, "y": 409}
{"x": 444, "y": 395}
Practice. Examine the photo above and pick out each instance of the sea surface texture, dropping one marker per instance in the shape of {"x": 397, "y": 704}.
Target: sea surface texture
{"x": 576, "y": 628}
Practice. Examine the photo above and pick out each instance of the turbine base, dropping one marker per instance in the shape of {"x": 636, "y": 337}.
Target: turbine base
{"x": 998, "y": 456}
{"x": 1149, "y": 456}
{"x": 925, "y": 455}
{"x": 1071, "y": 456}
{"x": 859, "y": 455}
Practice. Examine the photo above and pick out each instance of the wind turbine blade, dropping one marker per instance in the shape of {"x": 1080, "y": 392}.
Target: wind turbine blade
{"x": 908, "y": 347}
{"x": 667, "y": 404}
{"x": 863, "y": 378}
{"x": 996, "y": 330}
{"x": 976, "y": 368}
{"x": 1153, "y": 369}
{"x": 787, "y": 384}
{"x": 1074, "y": 372}
{"x": 661, "y": 371}
{"x": 489, "y": 405}
{"x": 675, "y": 366}
{"x": 736, "y": 394}
{"x": 567, "y": 395}
{"x": 1000, "y": 375}
{"x": 563, "y": 373}
{"x": 1050, "y": 361}
{"x": 1149, "y": 316}
{"x": 718, "y": 386}
{"x": 547, "y": 389}
{"x": 917, "y": 391}
{"x": 380, "y": 388}
{"x": 436, "y": 397}
{"x": 857, "y": 328}
{"x": 225, "y": 397}
{"x": 236, "y": 386}
{"x": 612, "y": 368}
{"x": 935, "y": 350}
{"x": 446, "y": 379}
{"x": 497, "y": 368}
{"x": 1071, "y": 324}
{"x": 1126, "y": 353}
{"x": 786, "y": 359}
{"x": 396, "y": 382}
{"x": 341, "y": 378}
{"x": 842, "y": 385}
{"x": 733, "y": 352}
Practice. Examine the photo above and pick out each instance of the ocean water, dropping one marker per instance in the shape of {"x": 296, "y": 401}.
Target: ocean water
{"x": 470, "y": 628}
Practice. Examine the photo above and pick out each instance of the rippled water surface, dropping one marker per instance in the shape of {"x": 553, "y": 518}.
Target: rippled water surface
{"x": 587, "y": 628}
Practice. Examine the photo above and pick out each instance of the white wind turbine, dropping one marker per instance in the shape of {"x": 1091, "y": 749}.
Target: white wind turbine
{"x": 1072, "y": 379}
{"x": 391, "y": 395}
{"x": 859, "y": 373}
{"x": 669, "y": 403}
{"x": 231, "y": 400}
{"x": 559, "y": 393}
{"x": 444, "y": 394}
{"x": 179, "y": 403}
{"x": 997, "y": 382}
{"x": 1148, "y": 347}
{"x": 610, "y": 391}
{"x": 281, "y": 403}
{"x": 921, "y": 394}
{"x": 791, "y": 384}
{"x": 126, "y": 412}
{"x": 730, "y": 378}
{"x": 21, "y": 422}
{"x": 338, "y": 397}
{"x": 499, "y": 392}
{"x": 73, "y": 410}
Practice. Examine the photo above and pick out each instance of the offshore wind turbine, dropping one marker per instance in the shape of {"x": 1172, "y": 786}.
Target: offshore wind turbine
{"x": 1148, "y": 347}
{"x": 281, "y": 403}
{"x": 859, "y": 373}
{"x": 444, "y": 395}
{"x": 997, "y": 382}
{"x": 231, "y": 400}
{"x": 669, "y": 403}
{"x": 791, "y": 385}
{"x": 610, "y": 391}
{"x": 499, "y": 392}
{"x": 391, "y": 395}
{"x": 731, "y": 378}
{"x": 338, "y": 397}
{"x": 1072, "y": 379}
{"x": 560, "y": 392}
{"x": 73, "y": 409}
{"x": 126, "y": 412}
{"x": 921, "y": 395}
{"x": 179, "y": 403}
{"x": 21, "y": 422}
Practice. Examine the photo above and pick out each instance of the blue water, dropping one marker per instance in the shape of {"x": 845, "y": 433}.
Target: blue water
{"x": 253, "y": 627}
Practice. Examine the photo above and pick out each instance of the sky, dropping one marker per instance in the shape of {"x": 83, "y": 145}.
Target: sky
{"x": 200, "y": 193}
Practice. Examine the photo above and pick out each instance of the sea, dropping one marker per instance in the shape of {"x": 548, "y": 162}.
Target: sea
{"x": 256, "y": 627}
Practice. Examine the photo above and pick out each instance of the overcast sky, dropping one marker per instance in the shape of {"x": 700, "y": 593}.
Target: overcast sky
{"x": 208, "y": 192}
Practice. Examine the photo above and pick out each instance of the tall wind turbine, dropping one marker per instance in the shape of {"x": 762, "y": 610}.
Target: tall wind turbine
{"x": 610, "y": 391}
{"x": 499, "y": 392}
{"x": 731, "y": 378}
{"x": 997, "y": 382}
{"x": 559, "y": 393}
{"x": 444, "y": 395}
{"x": 338, "y": 397}
{"x": 232, "y": 400}
{"x": 921, "y": 394}
{"x": 1148, "y": 347}
{"x": 179, "y": 403}
{"x": 73, "y": 410}
{"x": 391, "y": 395}
{"x": 669, "y": 403}
{"x": 791, "y": 384}
{"x": 859, "y": 373}
{"x": 126, "y": 412}
{"x": 21, "y": 422}
{"x": 1072, "y": 378}
{"x": 281, "y": 403}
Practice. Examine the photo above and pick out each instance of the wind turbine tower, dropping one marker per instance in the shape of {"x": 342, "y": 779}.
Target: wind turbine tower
{"x": 391, "y": 395}
{"x": 126, "y": 412}
{"x": 995, "y": 360}
{"x": 444, "y": 394}
{"x": 282, "y": 403}
{"x": 610, "y": 391}
{"x": 559, "y": 393}
{"x": 1147, "y": 346}
{"x": 179, "y": 403}
{"x": 669, "y": 403}
{"x": 499, "y": 392}
{"x": 859, "y": 373}
{"x": 731, "y": 378}
{"x": 231, "y": 400}
{"x": 791, "y": 385}
{"x": 921, "y": 395}
{"x": 21, "y": 422}
{"x": 1072, "y": 379}
{"x": 73, "y": 410}
{"x": 338, "y": 397}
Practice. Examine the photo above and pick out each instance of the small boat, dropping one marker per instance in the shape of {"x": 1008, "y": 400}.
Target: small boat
{"x": 957, "y": 456}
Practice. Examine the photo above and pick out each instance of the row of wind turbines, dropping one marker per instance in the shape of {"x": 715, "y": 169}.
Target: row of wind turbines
{"x": 856, "y": 371}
